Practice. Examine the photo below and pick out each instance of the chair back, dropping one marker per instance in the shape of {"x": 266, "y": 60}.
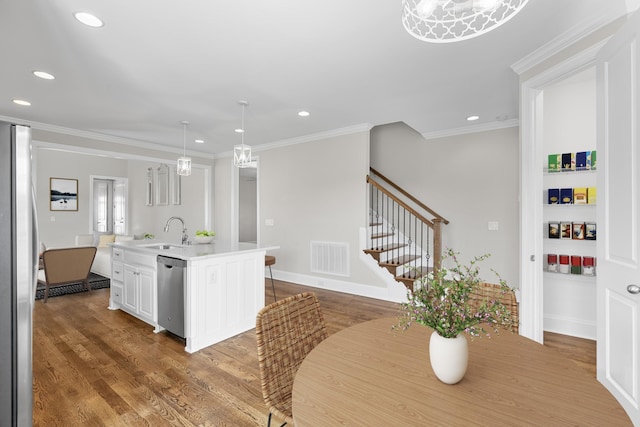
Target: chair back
{"x": 67, "y": 265}
{"x": 490, "y": 291}
{"x": 286, "y": 331}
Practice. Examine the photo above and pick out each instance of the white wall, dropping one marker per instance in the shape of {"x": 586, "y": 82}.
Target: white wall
{"x": 469, "y": 179}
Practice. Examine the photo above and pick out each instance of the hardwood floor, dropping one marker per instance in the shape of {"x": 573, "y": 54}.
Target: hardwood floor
{"x": 96, "y": 367}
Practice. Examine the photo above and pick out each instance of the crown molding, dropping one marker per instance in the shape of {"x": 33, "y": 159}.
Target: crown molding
{"x": 102, "y": 137}
{"x": 364, "y": 127}
{"x": 566, "y": 39}
{"x": 472, "y": 129}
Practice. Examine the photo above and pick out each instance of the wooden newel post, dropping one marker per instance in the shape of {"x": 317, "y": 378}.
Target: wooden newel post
{"x": 437, "y": 243}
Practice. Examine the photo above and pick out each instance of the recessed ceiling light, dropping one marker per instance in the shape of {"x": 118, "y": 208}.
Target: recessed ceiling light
{"x": 89, "y": 19}
{"x": 472, "y": 118}
{"x": 43, "y": 75}
{"x": 200, "y": 141}
{"x": 21, "y": 102}
{"x": 303, "y": 113}
{"x": 239, "y": 130}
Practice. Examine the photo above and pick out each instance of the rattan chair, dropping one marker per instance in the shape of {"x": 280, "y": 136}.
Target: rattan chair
{"x": 490, "y": 291}
{"x": 286, "y": 331}
{"x": 65, "y": 266}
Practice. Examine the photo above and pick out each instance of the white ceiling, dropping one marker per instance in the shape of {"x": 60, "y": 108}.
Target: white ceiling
{"x": 348, "y": 62}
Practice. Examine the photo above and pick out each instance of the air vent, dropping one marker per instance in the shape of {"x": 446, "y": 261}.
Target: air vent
{"x": 330, "y": 258}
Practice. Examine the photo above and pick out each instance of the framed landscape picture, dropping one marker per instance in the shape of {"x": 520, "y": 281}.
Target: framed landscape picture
{"x": 63, "y": 194}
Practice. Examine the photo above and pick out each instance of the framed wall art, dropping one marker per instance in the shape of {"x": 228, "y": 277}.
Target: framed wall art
{"x": 63, "y": 194}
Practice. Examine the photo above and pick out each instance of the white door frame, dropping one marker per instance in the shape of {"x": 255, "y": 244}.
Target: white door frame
{"x": 531, "y": 167}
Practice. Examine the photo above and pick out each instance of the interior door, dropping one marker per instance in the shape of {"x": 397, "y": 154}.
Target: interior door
{"x": 618, "y": 270}
{"x": 120, "y": 207}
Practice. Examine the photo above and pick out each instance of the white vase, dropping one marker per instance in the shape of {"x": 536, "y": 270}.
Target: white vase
{"x": 449, "y": 357}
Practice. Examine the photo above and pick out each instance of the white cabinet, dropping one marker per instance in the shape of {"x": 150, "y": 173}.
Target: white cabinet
{"x": 133, "y": 287}
{"x": 223, "y": 296}
{"x": 139, "y": 292}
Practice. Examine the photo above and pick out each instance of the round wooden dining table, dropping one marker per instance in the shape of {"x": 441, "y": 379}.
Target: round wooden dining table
{"x": 371, "y": 375}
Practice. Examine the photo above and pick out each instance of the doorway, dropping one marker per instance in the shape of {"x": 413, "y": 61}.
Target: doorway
{"x": 108, "y": 208}
{"x": 532, "y": 187}
{"x": 248, "y": 205}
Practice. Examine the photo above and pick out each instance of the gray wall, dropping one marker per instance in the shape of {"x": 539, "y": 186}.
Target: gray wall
{"x": 311, "y": 191}
{"x": 67, "y": 156}
{"x": 469, "y": 179}
{"x": 59, "y": 228}
{"x": 152, "y": 219}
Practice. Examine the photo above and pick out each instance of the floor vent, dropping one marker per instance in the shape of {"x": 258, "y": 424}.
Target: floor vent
{"x": 330, "y": 258}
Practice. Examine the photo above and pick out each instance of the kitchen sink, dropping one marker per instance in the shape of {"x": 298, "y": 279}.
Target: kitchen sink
{"x": 163, "y": 246}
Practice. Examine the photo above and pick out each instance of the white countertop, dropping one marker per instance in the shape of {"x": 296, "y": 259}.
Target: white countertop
{"x": 191, "y": 252}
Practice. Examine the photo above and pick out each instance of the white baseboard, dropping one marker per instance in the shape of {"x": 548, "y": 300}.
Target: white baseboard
{"x": 358, "y": 289}
{"x": 570, "y": 326}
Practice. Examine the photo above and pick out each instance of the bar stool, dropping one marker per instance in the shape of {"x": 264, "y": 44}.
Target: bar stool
{"x": 269, "y": 260}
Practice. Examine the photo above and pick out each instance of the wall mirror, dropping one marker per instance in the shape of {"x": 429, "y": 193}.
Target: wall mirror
{"x": 162, "y": 186}
{"x": 149, "y": 198}
{"x": 175, "y": 182}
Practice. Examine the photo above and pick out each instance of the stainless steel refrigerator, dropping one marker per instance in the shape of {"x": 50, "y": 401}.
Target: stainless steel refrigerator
{"x": 18, "y": 275}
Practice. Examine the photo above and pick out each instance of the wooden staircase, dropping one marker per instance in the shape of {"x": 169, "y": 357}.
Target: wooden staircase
{"x": 401, "y": 239}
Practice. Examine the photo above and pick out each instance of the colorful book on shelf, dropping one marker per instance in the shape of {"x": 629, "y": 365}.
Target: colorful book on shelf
{"x": 591, "y": 195}
{"x": 580, "y": 195}
{"x": 592, "y": 160}
{"x": 554, "y": 162}
{"x": 581, "y": 161}
{"x": 553, "y": 196}
{"x": 578, "y": 230}
{"x": 566, "y": 196}
{"x": 568, "y": 162}
{"x": 590, "y": 231}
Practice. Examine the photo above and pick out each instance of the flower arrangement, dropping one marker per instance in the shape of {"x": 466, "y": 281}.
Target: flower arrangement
{"x": 441, "y": 301}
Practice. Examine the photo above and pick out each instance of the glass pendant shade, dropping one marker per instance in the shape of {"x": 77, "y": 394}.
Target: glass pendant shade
{"x": 242, "y": 156}
{"x": 184, "y": 166}
{"x": 184, "y": 163}
{"x": 446, "y": 21}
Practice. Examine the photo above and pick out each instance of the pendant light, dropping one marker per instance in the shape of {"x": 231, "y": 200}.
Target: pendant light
{"x": 242, "y": 152}
{"x": 446, "y": 21}
{"x": 184, "y": 162}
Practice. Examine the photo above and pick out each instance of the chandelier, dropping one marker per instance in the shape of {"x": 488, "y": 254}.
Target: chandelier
{"x": 184, "y": 162}
{"x": 446, "y": 21}
{"x": 242, "y": 152}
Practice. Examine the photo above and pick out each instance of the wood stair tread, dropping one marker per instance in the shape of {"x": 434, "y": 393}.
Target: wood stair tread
{"x": 381, "y": 235}
{"x": 414, "y": 273}
{"x": 399, "y": 261}
{"x": 385, "y": 248}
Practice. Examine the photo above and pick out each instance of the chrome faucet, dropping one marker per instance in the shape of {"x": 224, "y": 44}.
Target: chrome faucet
{"x": 185, "y": 238}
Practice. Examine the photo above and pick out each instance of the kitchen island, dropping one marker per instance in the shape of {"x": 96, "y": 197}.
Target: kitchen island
{"x": 223, "y": 286}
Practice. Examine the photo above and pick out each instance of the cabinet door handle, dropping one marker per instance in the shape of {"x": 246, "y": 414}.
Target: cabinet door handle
{"x": 633, "y": 289}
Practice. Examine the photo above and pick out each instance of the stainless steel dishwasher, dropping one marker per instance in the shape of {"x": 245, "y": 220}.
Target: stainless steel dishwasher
{"x": 171, "y": 278}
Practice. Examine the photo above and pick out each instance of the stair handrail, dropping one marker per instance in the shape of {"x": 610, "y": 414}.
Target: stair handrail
{"x": 398, "y": 201}
{"x": 406, "y": 194}
{"x": 435, "y": 223}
